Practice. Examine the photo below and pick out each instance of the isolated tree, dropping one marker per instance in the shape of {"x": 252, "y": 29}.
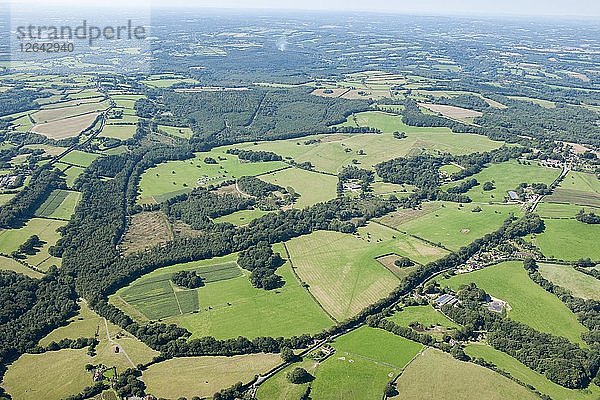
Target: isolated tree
{"x": 299, "y": 376}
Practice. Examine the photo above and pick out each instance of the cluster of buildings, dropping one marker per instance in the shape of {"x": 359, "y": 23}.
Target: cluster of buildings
{"x": 7, "y": 181}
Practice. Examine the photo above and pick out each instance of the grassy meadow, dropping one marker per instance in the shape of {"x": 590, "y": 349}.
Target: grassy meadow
{"x": 580, "y": 284}
{"x": 313, "y": 187}
{"x": 568, "y": 239}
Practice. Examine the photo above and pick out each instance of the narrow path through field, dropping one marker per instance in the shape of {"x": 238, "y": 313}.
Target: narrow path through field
{"x": 176, "y": 299}
{"x": 122, "y": 350}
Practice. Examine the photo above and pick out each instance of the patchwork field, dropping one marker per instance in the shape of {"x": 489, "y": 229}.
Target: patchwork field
{"x": 580, "y": 284}
{"x": 59, "y": 205}
{"x": 530, "y": 304}
{"x": 66, "y": 111}
{"x": 364, "y": 362}
{"x": 567, "y": 239}
{"x": 507, "y": 176}
{"x": 521, "y": 372}
{"x": 559, "y": 210}
{"x": 313, "y": 187}
{"x": 435, "y": 375}
{"x": 577, "y": 188}
{"x": 229, "y": 305}
{"x": 341, "y": 270}
{"x": 203, "y": 376}
{"x": 174, "y": 177}
{"x": 72, "y": 172}
{"x": 453, "y": 226}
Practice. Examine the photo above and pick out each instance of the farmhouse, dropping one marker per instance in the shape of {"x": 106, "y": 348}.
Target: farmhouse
{"x": 351, "y": 187}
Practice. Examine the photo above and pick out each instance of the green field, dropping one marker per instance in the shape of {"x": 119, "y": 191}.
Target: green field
{"x": 177, "y": 131}
{"x": 558, "y": 210}
{"x": 242, "y": 217}
{"x": 455, "y": 226}
{"x": 521, "y": 372}
{"x": 427, "y": 316}
{"x": 173, "y": 177}
{"x": 364, "y": 361}
{"x": 59, "y": 205}
{"x": 203, "y": 376}
{"x": 578, "y": 188}
{"x": 279, "y": 387}
{"x": 11, "y": 239}
{"x": 313, "y": 187}
{"x": 79, "y": 158}
{"x": 530, "y": 303}
{"x": 232, "y": 307}
{"x": 72, "y": 172}
{"x": 122, "y": 132}
{"x": 341, "y": 269}
{"x": 435, "y": 375}
{"x": 9, "y": 264}
{"x": 166, "y": 80}
{"x": 580, "y": 284}
{"x": 569, "y": 240}
{"x": 507, "y": 176}
{"x": 332, "y": 152}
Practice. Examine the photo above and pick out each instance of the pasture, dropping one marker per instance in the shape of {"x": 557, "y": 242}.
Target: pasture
{"x": 530, "y": 304}
{"x": 278, "y": 387}
{"x": 577, "y": 188}
{"x": 203, "y": 376}
{"x": 507, "y": 176}
{"x": 454, "y": 226}
{"x": 121, "y": 131}
{"x": 176, "y": 177}
{"x": 364, "y": 361}
{"x": 313, "y": 187}
{"x": 568, "y": 239}
{"x": 559, "y": 210}
{"x": 10, "y": 264}
{"x": 427, "y": 316}
{"x": 79, "y": 158}
{"x": 177, "y": 131}
{"x": 59, "y": 205}
{"x": 434, "y": 375}
{"x": 452, "y": 112}
{"x": 580, "y": 284}
{"x": 526, "y": 375}
{"x": 72, "y": 172}
{"x": 341, "y": 270}
{"x": 65, "y": 111}
{"x": 166, "y": 80}
{"x": 230, "y": 306}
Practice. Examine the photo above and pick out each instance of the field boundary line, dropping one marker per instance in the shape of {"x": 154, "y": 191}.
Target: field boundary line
{"x": 438, "y": 245}
{"x": 305, "y": 288}
{"x": 176, "y": 299}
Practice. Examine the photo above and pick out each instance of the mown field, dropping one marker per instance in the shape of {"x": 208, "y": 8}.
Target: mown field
{"x": 232, "y": 307}
{"x": 10, "y": 264}
{"x": 507, "y": 176}
{"x": 203, "y": 376}
{"x": 341, "y": 269}
{"x": 65, "y": 128}
{"x": 451, "y": 225}
{"x": 364, "y": 361}
{"x": 568, "y": 239}
{"x": 313, "y": 187}
{"x": 174, "y": 177}
{"x": 79, "y": 158}
{"x": 331, "y": 152}
{"x": 521, "y": 372}
{"x": 59, "y": 205}
{"x": 435, "y": 375}
{"x": 529, "y": 303}
{"x": 580, "y": 284}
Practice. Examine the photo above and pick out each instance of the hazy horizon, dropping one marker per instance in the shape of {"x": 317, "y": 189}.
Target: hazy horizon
{"x": 552, "y": 8}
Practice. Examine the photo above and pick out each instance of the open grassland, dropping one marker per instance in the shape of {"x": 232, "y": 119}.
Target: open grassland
{"x": 145, "y": 230}
{"x": 72, "y": 172}
{"x": 79, "y": 158}
{"x": 539, "y": 102}
{"x": 177, "y": 131}
{"x": 279, "y": 387}
{"x": 203, "y": 376}
{"x": 10, "y": 264}
{"x": 507, "y": 176}
{"x": 341, "y": 269}
{"x": 230, "y": 306}
{"x": 569, "y": 240}
{"x": 61, "y": 373}
{"x": 11, "y": 239}
{"x": 434, "y": 375}
{"x": 176, "y": 177}
{"x": 65, "y": 128}
{"x": 242, "y": 217}
{"x": 331, "y": 152}
{"x": 5, "y": 197}
{"x": 530, "y": 304}
{"x": 526, "y": 375}
{"x": 453, "y": 226}
{"x": 580, "y": 284}
{"x": 122, "y": 132}
{"x": 452, "y": 112}
{"x": 48, "y": 149}
{"x": 313, "y": 187}
{"x": 166, "y": 80}
{"x": 427, "y": 316}
{"x": 364, "y": 361}
{"x": 577, "y": 188}
{"x": 559, "y": 210}
{"x": 59, "y": 205}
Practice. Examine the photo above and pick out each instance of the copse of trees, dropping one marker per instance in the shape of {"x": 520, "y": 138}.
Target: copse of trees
{"x": 187, "y": 279}
{"x": 262, "y": 262}
{"x": 463, "y": 187}
{"x": 255, "y": 156}
{"x": 587, "y": 218}
{"x": 256, "y": 187}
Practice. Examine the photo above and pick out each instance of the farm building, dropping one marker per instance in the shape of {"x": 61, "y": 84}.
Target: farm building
{"x": 513, "y": 195}
{"x": 446, "y": 299}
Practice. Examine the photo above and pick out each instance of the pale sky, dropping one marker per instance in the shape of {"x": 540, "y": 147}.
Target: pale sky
{"x": 584, "y": 8}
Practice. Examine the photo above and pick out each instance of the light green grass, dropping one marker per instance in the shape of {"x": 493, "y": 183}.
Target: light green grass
{"x": 174, "y": 177}
{"x": 568, "y": 240}
{"x": 435, "y": 375}
{"x": 425, "y": 315}
{"x": 79, "y": 158}
{"x": 507, "y": 176}
{"x": 9, "y": 264}
{"x": 521, "y": 372}
{"x": 454, "y": 226}
{"x": 364, "y": 361}
{"x": 203, "y": 376}
{"x": 558, "y": 210}
{"x": 72, "y": 172}
{"x": 5, "y": 197}
{"x": 580, "y": 284}
{"x": 530, "y": 304}
{"x": 279, "y": 387}
{"x": 182, "y": 132}
{"x": 242, "y": 217}
{"x": 60, "y": 205}
{"x": 341, "y": 269}
{"x": 122, "y": 132}
{"x": 313, "y": 187}
{"x": 578, "y": 188}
